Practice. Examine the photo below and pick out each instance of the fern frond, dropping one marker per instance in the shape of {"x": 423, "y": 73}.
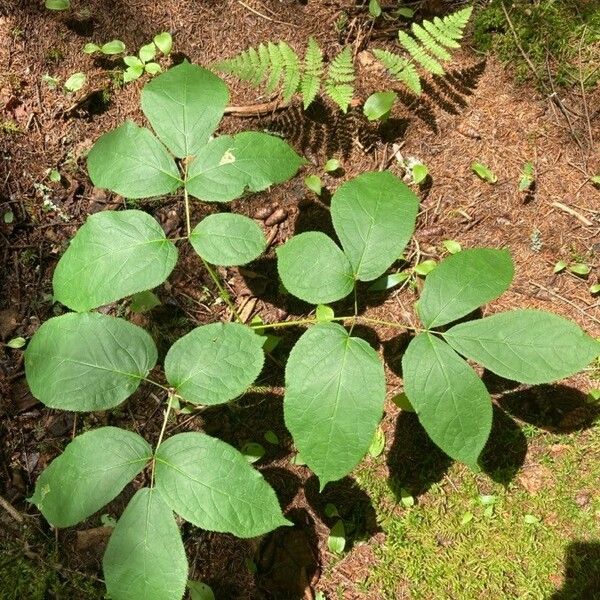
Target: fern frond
{"x": 419, "y": 54}
{"x": 340, "y": 76}
{"x": 427, "y": 48}
{"x": 276, "y": 66}
{"x": 400, "y": 68}
{"x": 313, "y": 72}
{"x": 291, "y": 76}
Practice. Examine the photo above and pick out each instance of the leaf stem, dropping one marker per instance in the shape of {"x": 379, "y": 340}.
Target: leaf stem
{"x": 222, "y": 291}
{"x": 162, "y": 433}
{"x": 186, "y": 203}
{"x": 353, "y": 318}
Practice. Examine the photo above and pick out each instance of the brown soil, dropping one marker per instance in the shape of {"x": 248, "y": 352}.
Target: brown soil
{"x": 477, "y": 113}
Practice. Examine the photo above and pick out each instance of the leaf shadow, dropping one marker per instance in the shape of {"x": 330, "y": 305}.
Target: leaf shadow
{"x": 581, "y": 572}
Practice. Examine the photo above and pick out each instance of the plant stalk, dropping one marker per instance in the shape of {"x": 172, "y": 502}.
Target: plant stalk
{"x": 222, "y": 291}
{"x": 162, "y": 433}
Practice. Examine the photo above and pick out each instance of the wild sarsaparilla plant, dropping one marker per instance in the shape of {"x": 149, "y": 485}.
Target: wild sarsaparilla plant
{"x": 335, "y": 381}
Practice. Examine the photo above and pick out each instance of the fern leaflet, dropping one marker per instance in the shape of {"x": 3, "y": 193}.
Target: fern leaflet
{"x": 426, "y": 47}
{"x": 340, "y": 77}
{"x": 313, "y": 72}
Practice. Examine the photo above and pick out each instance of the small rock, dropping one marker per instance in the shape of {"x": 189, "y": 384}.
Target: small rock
{"x": 90, "y": 538}
{"x": 264, "y": 212}
{"x": 279, "y": 216}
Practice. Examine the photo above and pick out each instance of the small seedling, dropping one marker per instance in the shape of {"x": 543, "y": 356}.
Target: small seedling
{"x": 337, "y": 538}
{"x": 314, "y": 184}
{"x": 50, "y": 81}
{"x": 484, "y": 172}
{"x": 527, "y": 180}
{"x": 374, "y": 8}
{"x": 595, "y": 289}
{"x": 378, "y": 106}
{"x": 580, "y": 269}
{"x": 424, "y": 268}
{"x": 57, "y": 4}
{"x": 451, "y": 246}
{"x": 16, "y": 343}
{"x": 378, "y": 444}
{"x": 595, "y": 180}
{"x": 418, "y": 171}
{"x": 75, "y": 82}
{"x": 406, "y": 498}
{"x": 332, "y": 165}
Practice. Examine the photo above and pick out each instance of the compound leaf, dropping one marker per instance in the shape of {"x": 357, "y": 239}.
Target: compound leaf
{"x": 145, "y": 557}
{"x": 529, "y": 346}
{"x": 87, "y": 361}
{"x": 313, "y": 268}
{"x": 214, "y": 363}
{"x": 227, "y": 239}
{"x": 335, "y": 391}
{"x": 463, "y": 282}
{"x": 113, "y": 255}
{"x": 450, "y": 400}
{"x": 92, "y": 470}
{"x": 131, "y": 162}
{"x": 374, "y": 216}
{"x": 228, "y": 165}
{"x": 184, "y": 106}
{"x": 212, "y": 485}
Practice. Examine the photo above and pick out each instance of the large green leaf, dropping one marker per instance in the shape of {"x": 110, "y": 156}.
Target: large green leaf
{"x": 228, "y": 165}
{"x": 529, "y": 346}
{"x": 92, "y": 470}
{"x": 87, "y": 361}
{"x": 214, "y": 363}
{"x": 335, "y": 391}
{"x": 226, "y": 239}
{"x": 313, "y": 268}
{"x": 113, "y": 255}
{"x": 450, "y": 400}
{"x": 463, "y": 282}
{"x": 212, "y": 485}
{"x": 184, "y": 106}
{"x": 374, "y": 216}
{"x": 145, "y": 557}
{"x": 130, "y": 161}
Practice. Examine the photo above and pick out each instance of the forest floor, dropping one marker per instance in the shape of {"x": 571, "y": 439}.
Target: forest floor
{"x": 418, "y": 526}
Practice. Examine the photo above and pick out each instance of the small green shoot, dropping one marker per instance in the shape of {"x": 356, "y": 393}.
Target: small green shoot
{"x": 75, "y": 82}
{"x": 314, "y": 184}
{"x": 378, "y": 106}
{"x": 527, "y": 179}
{"x": 484, "y": 172}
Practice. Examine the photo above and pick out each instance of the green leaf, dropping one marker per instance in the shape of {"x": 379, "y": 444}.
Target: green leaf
{"x": 153, "y": 68}
{"x": 271, "y": 437}
{"x": 336, "y": 542}
{"x": 313, "y": 268}
{"x": 214, "y": 363}
{"x": 164, "y": 42}
{"x": 402, "y": 402}
{"x": 252, "y": 451}
{"x": 451, "y": 246}
{"x": 378, "y": 443}
{"x": 131, "y": 162}
{"x": 133, "y": 61}
{"x": 379, "y": 105}
{"x": 113, "y": 255}
{"x": 335, "y": 391}
{"x": 484, "y": 172}
{"x": 133, "y": 73}
{"x": 93, "y": 469}
{"x": 87, "y": 361}
{"x": 58, "y": 4}
{"x": 228, "y": 165}
{"x": 147, "y": 52}
{"x": 314, "y": 184}
{"x": 595, "y": 289}
{"x": 200, "y": 591}
{"x": 450, "y": 400}
{"x": 527, "y": 177}
{"x": 324, "y": 313}
{"x": 374, "y": 217}
{"x": 113, "y": 47}
{"x": 91, "y": 48}
{"x": 54, "y": 176}
{"x": 332, "y": 165}
{"x": 75, "y": 82}
{"x": 145, "y": 557}
{"x": 419, "y": 172}
{"x": 211, "y": 485}
{"x": 531, "y": 520}
{"x": 374, "y": 8}
{"x": 16, "y": 343}
{"x": 466, "y": 518}
{"x": 387, "y": 282}
{"x": 424, "y": 268}
{"x": 463, "y": 282}
{"x": 529, "y": 346}
{"x": 184, "y": 106}
{"x": 561, "y": 265}
{"x": 143, "y": 302}
{"x": 406, "y": 498}
{"x": 228, "y": 239}
{"x": 595, "y": 180}
{"x": 580, "y": 269}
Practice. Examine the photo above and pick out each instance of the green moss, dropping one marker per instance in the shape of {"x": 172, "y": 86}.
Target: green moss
{"x": 550, "y": 32}
{"x": 38, "y": 579}
{"x": 521, "y": 547}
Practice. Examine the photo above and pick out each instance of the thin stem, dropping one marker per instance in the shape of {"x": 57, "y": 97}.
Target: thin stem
{"x": 186, "y": 203}
{"x": 353, "y": 318}
{"x": 222, "y": 291}
{"x": 355, "y": 310}
{"x": 160, "y": 385}
{"x": 162, "y": 433}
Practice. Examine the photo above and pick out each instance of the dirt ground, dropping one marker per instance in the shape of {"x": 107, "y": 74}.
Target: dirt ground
{"x": 476, "y": 113}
